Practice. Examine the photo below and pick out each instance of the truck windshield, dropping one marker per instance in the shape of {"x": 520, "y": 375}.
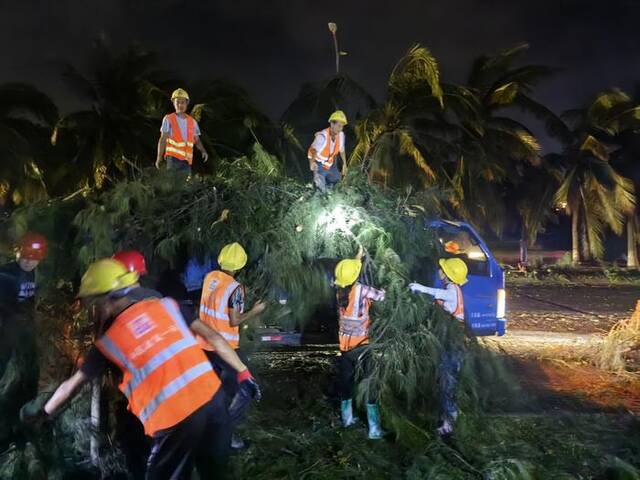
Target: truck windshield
{"x": 461, "y": 243}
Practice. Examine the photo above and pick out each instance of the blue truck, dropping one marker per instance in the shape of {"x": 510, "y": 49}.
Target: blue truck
{"x": 484, "y": 293}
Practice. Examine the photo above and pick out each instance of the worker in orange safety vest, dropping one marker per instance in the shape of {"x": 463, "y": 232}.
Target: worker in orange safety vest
{"x": 323, "y": 152}
{"x": 222, "y": 309}
{"x": 168, "y": 381}
{"x": 354, "y": 300}
{"x": 453, "y": 273}
{"x": 179, "y": 133}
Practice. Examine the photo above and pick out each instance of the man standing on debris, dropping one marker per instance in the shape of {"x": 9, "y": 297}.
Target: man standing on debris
{"x": 453, "y": 273}
{"x": 222, "y": 309}
{"x": 178, "y": 134}
{"x": 322, "y": 153}
{"x": 168, "y": 381}
{"x": 18, "y": 345}
{"x": 354, "y": 301}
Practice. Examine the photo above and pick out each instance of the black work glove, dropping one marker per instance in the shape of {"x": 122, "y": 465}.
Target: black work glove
{"x": 248, "y": 389}
{"x": 32, "y": 414}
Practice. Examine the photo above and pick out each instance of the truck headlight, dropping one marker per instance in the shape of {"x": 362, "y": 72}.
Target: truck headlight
{"x": 501, "y": 303}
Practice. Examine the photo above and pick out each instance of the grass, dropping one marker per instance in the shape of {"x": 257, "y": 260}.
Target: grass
{"x": 295, "y": 434}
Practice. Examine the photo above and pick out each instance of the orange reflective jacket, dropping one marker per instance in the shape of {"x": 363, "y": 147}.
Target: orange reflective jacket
{"x": 177, "y": 146}
{"x": 459, "y": 311}
{"x": 354, "y": 320}
{"x": 217, "y": 289}
{"x": 166, "y": 376}
{"x": 325, "y": 155}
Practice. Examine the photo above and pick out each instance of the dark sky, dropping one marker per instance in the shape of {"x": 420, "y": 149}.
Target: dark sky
{"x": 272, "y": 47}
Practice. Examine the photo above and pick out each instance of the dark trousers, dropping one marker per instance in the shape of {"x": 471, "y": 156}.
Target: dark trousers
{"x": 228, "y": 375}
{"x": 19, "y": 367}
{"x": 203, "y": 437}
{"x": 177, "y": 164}
{"x": 451, "y": 363}
{"x": 347, "y": 364}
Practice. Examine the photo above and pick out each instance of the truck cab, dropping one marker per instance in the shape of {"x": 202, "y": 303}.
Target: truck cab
{"x": 484, "y": 293}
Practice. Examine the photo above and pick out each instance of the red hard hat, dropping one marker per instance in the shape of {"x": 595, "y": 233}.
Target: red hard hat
{"x": 33, "y": 246}
{"x": 133, "y": 260}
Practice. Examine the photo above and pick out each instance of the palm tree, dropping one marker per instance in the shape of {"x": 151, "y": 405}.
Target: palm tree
{"x": 393, "y": 140}
{"x": 127, "y": 97}
{"x": 27, "y": 117}
{"x": 596, "y": 195}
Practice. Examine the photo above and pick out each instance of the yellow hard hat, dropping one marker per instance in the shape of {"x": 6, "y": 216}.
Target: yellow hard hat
{"x": 104, "y": 276}
{"x": 338, "y": 116}
{"x": 179, "y": 93}
{"x": 232, "y": 257}
{"x": 455, "y": 269}
{"x": 347, "y": 271}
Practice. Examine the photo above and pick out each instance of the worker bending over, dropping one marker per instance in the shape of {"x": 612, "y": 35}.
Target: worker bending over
{"x": 19, "y": 366}
{"x": 178, "y": 135}
{"x": 168, "y": 381}
{"x": 453, "y": 273}
{"x": 222, "y": 309}
{"x": 354, "y": 301}
{"x": 326, "y": 146}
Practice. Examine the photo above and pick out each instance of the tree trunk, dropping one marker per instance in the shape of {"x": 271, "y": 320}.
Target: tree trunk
{"x": 585, "y": 244}
{"x": 95, "y": 422}
{"x": 632, "y": 242}
{"x": 575, "y": 237}
{"x": 524, "y": 247}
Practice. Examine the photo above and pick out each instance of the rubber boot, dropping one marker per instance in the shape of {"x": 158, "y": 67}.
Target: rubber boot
{"x": 373, "y": 418}
{"x": 346, "y": 412}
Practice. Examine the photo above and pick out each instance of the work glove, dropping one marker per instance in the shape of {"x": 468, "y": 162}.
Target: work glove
{"x": 416, "y": 288}
{"x": 248, "y": 389}
{"x": 32, "y": 414}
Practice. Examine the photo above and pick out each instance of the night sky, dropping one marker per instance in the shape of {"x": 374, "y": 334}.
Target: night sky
{"x": 272, "y": 47}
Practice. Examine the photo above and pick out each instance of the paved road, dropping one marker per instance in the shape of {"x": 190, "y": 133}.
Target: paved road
{"x": 569, "y": 308}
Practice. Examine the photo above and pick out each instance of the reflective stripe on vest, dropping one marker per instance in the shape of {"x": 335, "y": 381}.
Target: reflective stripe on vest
{"x": 166, "y": 376}
{"x": 459, "y": 311}
{"x": 325, "y": 156}
{"x": 354, "y": 320}
{"x": 214, "y": 307}
{"x": 176, "y": 145}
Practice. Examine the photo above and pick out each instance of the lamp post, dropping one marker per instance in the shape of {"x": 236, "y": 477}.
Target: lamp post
{"x": 333, "y": 28}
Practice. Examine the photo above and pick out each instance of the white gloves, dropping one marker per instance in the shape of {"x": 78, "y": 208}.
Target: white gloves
{"x": 417, "y": 288}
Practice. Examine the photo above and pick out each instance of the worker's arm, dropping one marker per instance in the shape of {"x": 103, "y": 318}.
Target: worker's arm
{"x": 200, "y": 146}
{"x": 343, "y": 156}
{"x": 162, "y": 144}
{"x": 66, "y": 391}
{"x": 236, "y": 318}
{"x": 445, "y": 294}
{"x": 372, "y": 293}
{"x": 220, "y": 345}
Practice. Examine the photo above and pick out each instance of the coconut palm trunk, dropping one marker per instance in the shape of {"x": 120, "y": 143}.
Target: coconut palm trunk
{"x": 575, "y": 236}
{"x": 632, "y": 242}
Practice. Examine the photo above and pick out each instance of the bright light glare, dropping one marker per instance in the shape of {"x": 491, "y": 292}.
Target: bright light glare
{"x": 502, "y": 303}
{"x": 475, "y": 254}
{"x": 339, "y": 219}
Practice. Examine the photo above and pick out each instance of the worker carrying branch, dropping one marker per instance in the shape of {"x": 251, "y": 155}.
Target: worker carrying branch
{"x": 354, "y": 301}
{"x": 178, "y": 135}
{"x": 453, "y": 273}
{"x": 326, "y": 146}
{"x": 222, "y": 309}
{"x": 168, "y": 381}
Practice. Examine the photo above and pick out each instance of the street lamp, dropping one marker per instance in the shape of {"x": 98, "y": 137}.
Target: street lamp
{"x": 333, "y": 28}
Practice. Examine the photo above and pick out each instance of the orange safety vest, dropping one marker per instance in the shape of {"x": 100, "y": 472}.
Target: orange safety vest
{"x": 217, "y": 288}
{"x": 459, "y": 311}
{"x": 176, "y": 146}
{"x": 166, "y": 376}
{"x": 354, "y": 320}
{"x": 325, "y": 156}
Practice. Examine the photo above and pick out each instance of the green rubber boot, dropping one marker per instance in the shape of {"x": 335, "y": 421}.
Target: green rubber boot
{"x": 346, "y": 412}
{"x": 373, "y": 417}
